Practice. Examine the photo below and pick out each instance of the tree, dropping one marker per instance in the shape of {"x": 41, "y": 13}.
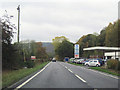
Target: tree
{"x": 7, "y": 48}
{"x": 112, "y": 33}
{"x": 109, "y": 36}
{"x": 65, "y": 49}
{"x": 41, "y": 52}
{"x": 58, "y": 40}
{"x": 101, "y": 38}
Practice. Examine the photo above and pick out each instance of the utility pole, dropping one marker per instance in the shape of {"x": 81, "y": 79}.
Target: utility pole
{"x": 18, "y": 22}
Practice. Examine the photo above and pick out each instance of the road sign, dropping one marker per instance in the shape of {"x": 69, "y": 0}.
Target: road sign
{"x": 76, "y": 51}
{"x": 33, "y": 57}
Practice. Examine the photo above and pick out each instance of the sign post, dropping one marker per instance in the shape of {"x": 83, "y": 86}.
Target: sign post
{"x": 33, "y": 57}
{"x": 76, "y": 51}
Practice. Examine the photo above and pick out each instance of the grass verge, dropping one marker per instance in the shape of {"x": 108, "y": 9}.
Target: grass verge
{"x": 113, "y": 72}
{"x": 10, "y": 77}
{"x": 76, "y": 64}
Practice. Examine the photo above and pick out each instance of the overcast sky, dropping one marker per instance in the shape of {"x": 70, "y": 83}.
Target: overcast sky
{"x": 43, "y": 20}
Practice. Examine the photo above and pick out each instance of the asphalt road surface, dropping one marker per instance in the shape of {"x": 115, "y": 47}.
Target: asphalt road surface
{"x": 64, "y": 75}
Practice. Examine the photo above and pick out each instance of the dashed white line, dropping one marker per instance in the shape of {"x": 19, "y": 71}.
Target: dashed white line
{"x": 65, "y": 67}
{"x": 31, "y": 77}
{"x": 76, "y": 75}
{"x": 80, "y": 78}
{"x": 70, "y": 70}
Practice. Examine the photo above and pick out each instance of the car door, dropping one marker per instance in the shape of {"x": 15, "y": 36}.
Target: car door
{"x": 90, "y": 62}
{"x": 95, "y": 63}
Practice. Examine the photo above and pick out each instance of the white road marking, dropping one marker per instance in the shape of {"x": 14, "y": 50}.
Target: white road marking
{"x": 76, "y": 75}
{"x": 31, "y": 77}
{"x": 115, "y": 77}
{"x": 65, "y": 67}
{"x": 70, "y": 70}
{"x": 80, "y": 78}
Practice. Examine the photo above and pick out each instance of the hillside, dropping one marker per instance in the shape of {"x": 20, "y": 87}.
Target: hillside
{"x": 49, "y": 47}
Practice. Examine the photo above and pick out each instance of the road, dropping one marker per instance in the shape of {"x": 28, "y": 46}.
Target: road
{"x": 64, "y": 75}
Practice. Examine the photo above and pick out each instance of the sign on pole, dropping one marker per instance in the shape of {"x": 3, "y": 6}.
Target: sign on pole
{"x": 76, "y": 51}
{"x": 33, "y": 57}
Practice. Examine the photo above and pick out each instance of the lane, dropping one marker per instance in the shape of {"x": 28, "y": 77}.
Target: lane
{"x": 93, "y": 78}
{"x": 55, "y": 76}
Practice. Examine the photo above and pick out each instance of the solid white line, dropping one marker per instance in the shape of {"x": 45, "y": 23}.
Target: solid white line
{"x": 31, "y": 77}
{"x": 80, "y": 78}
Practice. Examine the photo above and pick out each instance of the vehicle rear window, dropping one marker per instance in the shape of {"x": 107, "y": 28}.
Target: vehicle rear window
{"x": 95, "y": 61}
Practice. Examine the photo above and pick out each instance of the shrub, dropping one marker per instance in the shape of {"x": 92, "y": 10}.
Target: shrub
{"x": 113, "y": 64}
{"x": 118, "y": 66}
{"x": 29, "y": 64}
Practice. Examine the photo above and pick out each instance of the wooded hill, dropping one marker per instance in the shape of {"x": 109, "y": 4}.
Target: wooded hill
{"x": 109, "y": 36}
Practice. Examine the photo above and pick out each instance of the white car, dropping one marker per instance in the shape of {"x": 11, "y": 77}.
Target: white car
{"x": 79, "y": 61}
{"x": 93, "y": 63}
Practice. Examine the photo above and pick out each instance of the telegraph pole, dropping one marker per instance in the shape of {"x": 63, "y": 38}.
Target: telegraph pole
{"x": 18, "y": 22}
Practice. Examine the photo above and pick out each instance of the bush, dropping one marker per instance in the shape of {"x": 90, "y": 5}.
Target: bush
{"x": 113, "y": 64}
{"x": 118, "y": 65}
{"x": 29, "y": 64}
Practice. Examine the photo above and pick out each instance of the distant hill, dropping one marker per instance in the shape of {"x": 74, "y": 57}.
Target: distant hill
{"x": 49, "y": 47}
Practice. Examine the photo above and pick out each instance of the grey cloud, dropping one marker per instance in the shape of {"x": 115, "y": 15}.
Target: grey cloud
{"x": 42, "y": 21}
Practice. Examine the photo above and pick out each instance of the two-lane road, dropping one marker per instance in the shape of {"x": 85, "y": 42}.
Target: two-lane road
{"x": 64, "y": 75}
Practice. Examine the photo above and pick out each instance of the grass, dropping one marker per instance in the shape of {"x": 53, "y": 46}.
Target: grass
{"x": 10, "y": 77}
{"x": 76, "y": 64}
{"x": 109, "y": 71}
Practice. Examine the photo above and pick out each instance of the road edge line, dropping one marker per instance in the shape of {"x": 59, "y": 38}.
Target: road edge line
{"x": 21, "y": 85}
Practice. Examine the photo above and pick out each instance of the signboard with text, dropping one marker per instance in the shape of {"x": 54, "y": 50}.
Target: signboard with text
{"x": 76, "y": 51}
{"x": 33, "y": 57}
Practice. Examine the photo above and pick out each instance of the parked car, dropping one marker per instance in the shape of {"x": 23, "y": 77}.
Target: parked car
{"x": 75, "y": 60}
{"x": 83, "y": 62}
{"x": 86, "y": 63}
{"x": 101, "y": 61}
{"x": 93, "y": 62}
{"x": 79, "y": 61}
{"x": 71, "y": 60}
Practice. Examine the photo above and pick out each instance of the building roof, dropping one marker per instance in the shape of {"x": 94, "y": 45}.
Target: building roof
{"x": 102, "y": 48}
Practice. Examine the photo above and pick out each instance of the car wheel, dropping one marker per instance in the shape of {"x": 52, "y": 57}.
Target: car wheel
{"x": 87, "y": 65}
{"x": 97, "y": 65}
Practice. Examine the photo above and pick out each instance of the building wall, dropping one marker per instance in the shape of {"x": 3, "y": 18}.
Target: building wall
{"x": 112, "y": 55}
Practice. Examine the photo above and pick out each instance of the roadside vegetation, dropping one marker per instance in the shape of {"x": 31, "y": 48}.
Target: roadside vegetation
{"x": 76, "y": 64}
{"x": 109, "y": 71}
{"x": 108, "y": 37}
{"x": 63, "y": 48}
{"x": 16, "y": 57}
{"x": 112, "y": 67}
{"x": 10, "y": 77}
